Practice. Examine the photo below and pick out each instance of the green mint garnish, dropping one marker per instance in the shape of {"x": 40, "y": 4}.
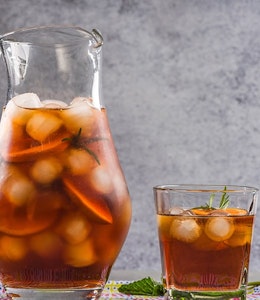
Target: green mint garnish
{"x": 146, "y": 286}
{"x": 77, "y": 142}
{"x": 149, "y": 287}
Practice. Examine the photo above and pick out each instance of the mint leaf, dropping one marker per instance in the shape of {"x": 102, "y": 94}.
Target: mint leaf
{"x": 146, "y": 286}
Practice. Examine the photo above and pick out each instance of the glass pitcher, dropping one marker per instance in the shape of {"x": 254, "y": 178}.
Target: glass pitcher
{"x": 64, "y": 204}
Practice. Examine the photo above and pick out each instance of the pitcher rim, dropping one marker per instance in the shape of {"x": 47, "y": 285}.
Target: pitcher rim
{"x": 95, "y": 33}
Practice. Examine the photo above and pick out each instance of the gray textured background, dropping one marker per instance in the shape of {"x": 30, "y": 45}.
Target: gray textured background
{"x": 181, "y": 83}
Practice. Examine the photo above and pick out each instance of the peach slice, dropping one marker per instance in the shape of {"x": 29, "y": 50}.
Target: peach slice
{"x": 185, "y": 229}
{"x": 96, "y": 206}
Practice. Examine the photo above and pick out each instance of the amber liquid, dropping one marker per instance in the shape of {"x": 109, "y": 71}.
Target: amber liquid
{"x": 202, "y": 263}
{"x": 64, "y": 205}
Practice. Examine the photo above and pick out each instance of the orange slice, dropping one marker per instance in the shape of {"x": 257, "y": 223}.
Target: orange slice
{"x": 96, "y": 206}
{"x": 35, "y": 217}
{"x": 20, "y": 225}
{"x": 234, "y": 211}
{"x": 201, "y": 211}
{"x": 30, "y": 154}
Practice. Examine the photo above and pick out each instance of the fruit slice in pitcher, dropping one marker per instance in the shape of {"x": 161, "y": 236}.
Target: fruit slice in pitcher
{"x": 97, "y": 207}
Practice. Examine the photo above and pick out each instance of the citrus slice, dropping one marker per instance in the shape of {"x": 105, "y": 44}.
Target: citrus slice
{"x": 185, "y": 229}
{"x": 219, "y": 228}
{"x": 20, "y": 225}
{"x": 35, "y": 217}
{"x": 234, "y": 211}
{"x": 30, "y": 154}
{"x": 97, "y": 207}
{"x": 201, "y": 211}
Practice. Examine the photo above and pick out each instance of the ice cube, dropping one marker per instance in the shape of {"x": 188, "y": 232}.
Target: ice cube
{"x": 19, "y": 190}
{"x": 13, "y": 248}
{"x": 45, "y": 244}
{"x": 101, "y": 180}
{"x": 54, "y": 104}
{"x": 46, "y": 170}
{"x": 79, "y": 162}
{"x": 80, "y": 115}
{"x": 176, "y": 210}
{"x": 80, "y": 255}
{"x": 42, "y": 124}
{"x": 185, "y": 229}
{"x": 19, "y": 108}
{"x": 74, "y": 228}
{"x": 79, "y": 100}
{"x": 219, "y": 228}
{"x": 218, "y": 212}
{"x": 27, "y": 100}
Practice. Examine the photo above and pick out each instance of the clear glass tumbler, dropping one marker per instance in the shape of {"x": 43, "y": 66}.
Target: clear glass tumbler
{"x": 205, "y": 235}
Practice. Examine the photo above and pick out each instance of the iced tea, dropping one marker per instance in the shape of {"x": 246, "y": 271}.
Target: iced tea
{"x": 205, "y": 235}
{"x": 65, "y": 207}
{"x": 213, "y": 248}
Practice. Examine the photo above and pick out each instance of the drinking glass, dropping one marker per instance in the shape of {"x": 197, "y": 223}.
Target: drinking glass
{"x": 205, "y": 235}
{"x": 65, "y": 208}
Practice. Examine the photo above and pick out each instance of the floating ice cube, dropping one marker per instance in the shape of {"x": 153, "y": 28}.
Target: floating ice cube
{"x": 27, "y": 100}
{"x": 218, "y": 212}
{"x": 54, "y": 104}
{"x": 46, "y": 170}
{"x": 13, "y": 248}
{"x": 176, "y": 210}
{"x": 45, "y": 244}
{"x": 41, "y": 125}
{"x": 185, "y": 229}
{"x": 19, "y": 108}
{"x": 80, "y": 255}
{"x": 74, "y": 228}
{"x": 79, "y": 100}
{"x": 219, "y": 228}
{"x": 79, "y": 162}
{"x": 101, "y": 180}
{"x": 80, "y": 115}
{"x": 19, "y": 190}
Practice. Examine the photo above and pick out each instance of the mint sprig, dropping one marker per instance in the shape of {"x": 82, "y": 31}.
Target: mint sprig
{"x": 149, "y": 287}
{"x": 146, "y": 286}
